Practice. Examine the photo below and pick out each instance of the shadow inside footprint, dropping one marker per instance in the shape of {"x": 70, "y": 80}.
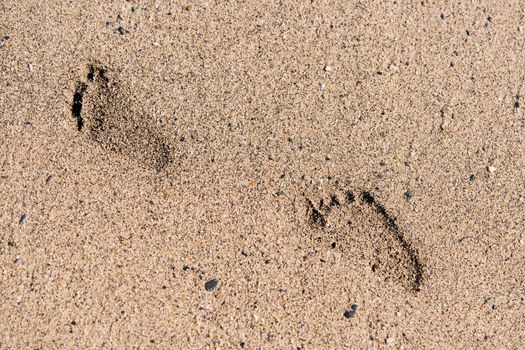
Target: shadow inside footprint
{"x": 109, "y": 114}
{"x": 363, "y": 224}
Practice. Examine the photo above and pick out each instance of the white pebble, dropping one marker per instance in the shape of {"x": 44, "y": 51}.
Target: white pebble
{"x": 491, "y": 169}
{"x": 322, "y": 85}
{"x": 30, "y": 66}
{"x": 327, "y": 68}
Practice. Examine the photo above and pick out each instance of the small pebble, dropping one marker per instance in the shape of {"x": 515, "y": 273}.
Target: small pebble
{"x": 491, "y": 169}
{"x": 389, "y": 341}
{"x": 351, "y": 313}
{"x": 121, "y": 30}
{"x": 327, "y": 68}
{"x": 211, "y": 284}
{"x": 472, "y": 177}
{"x": 408, "y": 195}
{"x": 30, "y": 66}
{"x": 22, "y": 219}
{"x": 322, "y": 86}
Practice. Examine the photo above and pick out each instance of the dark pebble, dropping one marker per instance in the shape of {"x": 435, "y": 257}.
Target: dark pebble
{"x": 408, "y": 195}
{"x": 472, "y": 177}
{"x": 351, "y": 313}
{"x": 121, "y": 30}
{"x": 211, "y": 284}
{"x": 22, "y": 219}
{"x": 185, "y": 267}
{"x": 333, "y": 245}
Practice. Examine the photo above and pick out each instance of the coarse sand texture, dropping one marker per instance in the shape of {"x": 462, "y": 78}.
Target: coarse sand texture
{"x": 296, "y": 175}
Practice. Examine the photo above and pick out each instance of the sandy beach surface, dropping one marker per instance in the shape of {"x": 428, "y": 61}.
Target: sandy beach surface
{"x": 262, "y": 174}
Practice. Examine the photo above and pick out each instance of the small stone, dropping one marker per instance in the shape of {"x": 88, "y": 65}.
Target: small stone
{"x": 211, "y": 284}
{"x": 491, "y": 169}
{"x": 121, "y": 30}
{"x": 30, "y": 66}
{"x": 408, "y": 195}
{"x": 322, "y": 86}
{"x": 327, "y": 68}
{"x": 389, "y": 341}
{"x": 22, "y": 219}
{"x": 472, "y": 177}
{"x": 350, "y": 313}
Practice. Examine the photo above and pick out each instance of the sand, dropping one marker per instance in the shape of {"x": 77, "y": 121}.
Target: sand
{"x": 262, "y": 175}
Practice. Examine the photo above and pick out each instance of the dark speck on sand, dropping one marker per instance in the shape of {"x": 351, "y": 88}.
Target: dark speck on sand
{"x": 22, "y": 219}
{"x": 351, "y": 313}
{"x": 211, "y": 284}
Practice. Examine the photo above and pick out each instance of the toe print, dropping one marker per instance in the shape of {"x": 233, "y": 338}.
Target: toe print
{"x": 109, "y": 115}
{"x": 359, "y": 221}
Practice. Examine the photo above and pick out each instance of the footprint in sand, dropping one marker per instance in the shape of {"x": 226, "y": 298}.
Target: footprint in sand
{"x": 110, "y": 115}
{"x": 361, "y": 224}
